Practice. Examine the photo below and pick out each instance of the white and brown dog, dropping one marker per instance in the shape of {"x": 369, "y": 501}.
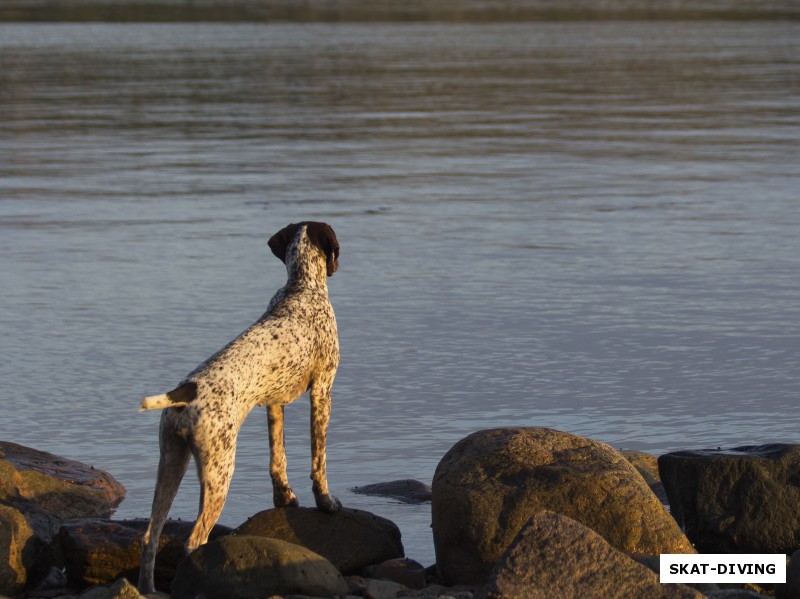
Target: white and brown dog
{"x": 292, "y": 348}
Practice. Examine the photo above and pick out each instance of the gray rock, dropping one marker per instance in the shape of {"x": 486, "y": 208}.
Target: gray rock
{"x": 238, "y": 567}
{"x": 554, "y": 556}
{"x": 98, "y": 552}
{"x": 62, "y": 487}
{"x": 742, "y": 500}
{"x": 490, "y": 484}
{"x": 407, "y": 490}
{"x": 350, "y": 539}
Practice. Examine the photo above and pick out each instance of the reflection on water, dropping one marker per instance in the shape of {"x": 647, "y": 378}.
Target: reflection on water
{"x": 584, "y": 225}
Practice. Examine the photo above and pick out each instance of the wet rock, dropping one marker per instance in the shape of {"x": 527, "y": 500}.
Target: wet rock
{"x": 350, "y": 539}
{"x": 742, "y": 500}
{"x": 407, "y": 490}
{"x": 98, "y": 552}
{"x": 647, "y": 465}
{"x": 490, "y": 484}
{"x": 555, "y": 556}
{"x": 234, "y": 567}
{"x": 404, "y": 571}
{"x": 65, "y": 488}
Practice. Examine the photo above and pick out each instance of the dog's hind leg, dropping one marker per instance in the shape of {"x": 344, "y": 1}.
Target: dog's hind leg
{"x": 172, "y": 464}
{"x": 215, "y": 470}
{"x": 282, "y": 495}
{"x": 320, "y": 416}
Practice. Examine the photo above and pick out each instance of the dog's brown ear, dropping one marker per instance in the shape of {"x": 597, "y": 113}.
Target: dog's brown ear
{"x": 280, "y": 241}
{"x": 322, "y": 236}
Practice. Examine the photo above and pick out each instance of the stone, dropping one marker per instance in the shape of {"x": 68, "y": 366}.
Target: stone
{"x": 381, "y": 589}
{"x": 741, "y": 500}
{"x": 646, "y": 464}
{"x": 401, "y": 570}
{"x": 15, "y": 558}
{"x": 98, "y": 552}
{"x": 65, "y": 488}
{"x": 406, "y": 490}
{"x": 234, "y": 567}
{"x": 121, "y": 589}
{"x": 490, "y": 484}
{"x": 350, "y": 539}
{"x": 791, "y": 588}
{"x": 556, "y": 556}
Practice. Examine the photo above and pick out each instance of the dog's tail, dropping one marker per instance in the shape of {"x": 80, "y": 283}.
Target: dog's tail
{"x": 176, "y": 398}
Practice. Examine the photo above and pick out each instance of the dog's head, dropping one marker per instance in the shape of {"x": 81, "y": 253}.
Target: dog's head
{"x": 320, "y": 235}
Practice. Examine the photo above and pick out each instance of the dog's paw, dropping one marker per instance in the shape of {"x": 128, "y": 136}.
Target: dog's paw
{"x": 327, "y": 503}
{"x": 284, "y": 498}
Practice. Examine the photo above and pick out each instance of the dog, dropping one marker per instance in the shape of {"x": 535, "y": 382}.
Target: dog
{"x": 292, "y": 348}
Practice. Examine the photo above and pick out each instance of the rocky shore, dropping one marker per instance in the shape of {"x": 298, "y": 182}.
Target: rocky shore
{"x": 516, "y": 512}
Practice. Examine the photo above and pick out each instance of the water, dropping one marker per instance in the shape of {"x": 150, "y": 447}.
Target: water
{"x": 586, "y": 225}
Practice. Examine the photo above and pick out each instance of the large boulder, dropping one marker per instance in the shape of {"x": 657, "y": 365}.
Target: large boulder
{"x": 646, "y": 464}
{"x": 741, "y": 500}
{"x": 234, "y": 567}
{"x": 65, "y": 488}
{"x": 555, "y": 556}
{"x": 350, "y": 539}
{"x": 103, "y": 551}
{"x": 490, "y": 484}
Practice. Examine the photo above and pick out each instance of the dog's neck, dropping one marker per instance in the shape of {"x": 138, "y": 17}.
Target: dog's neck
{"x": 306, "y": 265}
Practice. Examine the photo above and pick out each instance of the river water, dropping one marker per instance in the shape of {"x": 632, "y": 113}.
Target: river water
{"x": 587, "y": 225}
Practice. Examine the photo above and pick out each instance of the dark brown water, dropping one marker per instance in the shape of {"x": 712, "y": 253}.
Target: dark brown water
{"x": 589, "y": 225}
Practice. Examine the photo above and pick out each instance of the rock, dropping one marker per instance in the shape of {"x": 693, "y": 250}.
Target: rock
{"x": 407, "y": 490}
{"x": 98, "y": 552}
{"x": 234, "y": 567}
{"x": 402, "y": 570}
{"x": 555, "y": 556}
{"x": 121, "y": 589}
{"x": 491, "y": 483}
{"x": 735, "y": 594}
{"x": 646, "y": 464}
{"x": 791, "y": 588}
{"x": 381, "y": 589}
{"x": 742, "y": 500}
{"x": 350, "y": 539}
{"x": 65, "y": 488}
{"x": 15, "y": 555}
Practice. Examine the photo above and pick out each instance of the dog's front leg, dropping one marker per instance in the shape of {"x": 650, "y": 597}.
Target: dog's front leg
{"x": 282, "y": 495}
{"x": 320, "y": 416}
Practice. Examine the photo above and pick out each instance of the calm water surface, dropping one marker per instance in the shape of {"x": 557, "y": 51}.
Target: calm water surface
{"x": 588, "y": 226}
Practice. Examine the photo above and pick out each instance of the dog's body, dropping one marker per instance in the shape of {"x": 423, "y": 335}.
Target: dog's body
{"x": 292, "y": 348}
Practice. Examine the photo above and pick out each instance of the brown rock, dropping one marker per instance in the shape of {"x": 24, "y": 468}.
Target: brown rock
{"x": 491, "y": 483}
{"x": 234, "y": 567}
{"x": 102, "y": 551}
{"x": 402, "y": 570}
{"x": 646, "y": 464}
{"x": 65, "y": 488}
{"x": 741, "y": 500}
{"x": 350, "y": 539}
{"x": 554, "y": 556}
{"x": 15, "y": 559}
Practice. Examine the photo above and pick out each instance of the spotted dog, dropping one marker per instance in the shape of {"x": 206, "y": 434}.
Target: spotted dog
{"x": 292, "y": 348}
